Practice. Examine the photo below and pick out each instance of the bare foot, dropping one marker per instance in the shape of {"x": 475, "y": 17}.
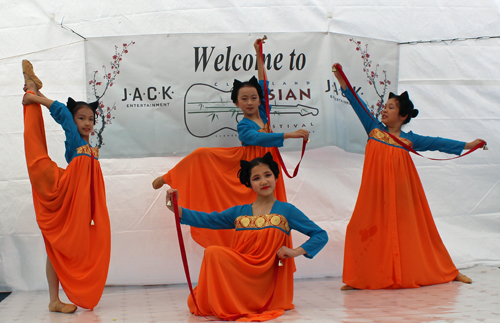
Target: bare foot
{"x": 158, "y": 182}
{"x": 462, "y": 278}
{"x": 61, "y": 307}
{"x": 347, "y": 287}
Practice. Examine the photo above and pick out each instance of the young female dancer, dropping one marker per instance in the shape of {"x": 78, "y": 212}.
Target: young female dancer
{"x": 209, "y": 170}
{"x": 70, "y": 204}
{"x": 391, "y": 239}
{"x": 236, "y": 282}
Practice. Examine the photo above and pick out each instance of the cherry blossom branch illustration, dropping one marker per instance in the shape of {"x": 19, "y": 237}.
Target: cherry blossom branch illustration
{"x": 99, "y": 89}
{"x": 372, "y": 76}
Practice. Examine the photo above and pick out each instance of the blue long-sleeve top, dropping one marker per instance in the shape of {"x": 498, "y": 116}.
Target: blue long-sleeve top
{"x": 63, "y": 116}
{"x": 248, "y": 130}
{"x": 420, "y": 143}
{"x": 295, "y": 218}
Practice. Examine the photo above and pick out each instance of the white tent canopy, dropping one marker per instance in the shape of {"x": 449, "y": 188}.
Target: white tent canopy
{"x": 454, "y": 84}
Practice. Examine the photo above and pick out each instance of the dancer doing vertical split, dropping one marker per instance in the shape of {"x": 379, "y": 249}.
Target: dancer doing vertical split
{"x": 70, "y": 204}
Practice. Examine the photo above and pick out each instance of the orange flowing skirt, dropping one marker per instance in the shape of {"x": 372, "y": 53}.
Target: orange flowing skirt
{"x": 79, "y": 252}
{"x": 207, "y": 181}
{"x": 240, "y": 280}
{"x": 392, "y": 240}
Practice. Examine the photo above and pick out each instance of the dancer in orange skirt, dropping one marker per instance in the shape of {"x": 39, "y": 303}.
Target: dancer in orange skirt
{"x": 236, "y": 282}
{"x": 208, "y": 170}
{"x": 391, "y": 239}
{"x": 70, "y": 204}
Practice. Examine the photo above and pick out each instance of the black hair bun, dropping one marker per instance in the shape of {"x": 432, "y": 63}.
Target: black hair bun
{"x": 414, "y": 113}
{"x": 71, "y": 104}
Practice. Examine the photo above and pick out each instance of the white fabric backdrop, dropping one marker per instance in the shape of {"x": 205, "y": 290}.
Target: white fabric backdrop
{"x": 454, "y": 85}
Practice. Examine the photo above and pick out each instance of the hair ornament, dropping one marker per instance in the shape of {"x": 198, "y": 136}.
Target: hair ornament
{"x": 71, "y": 104}
{"x": 94, "y": 105}
{"x": 254, "y": 81}
{"x": 268, "y": 158}
{"x": 244, "y": 164}
{"x": 236, "y": 87}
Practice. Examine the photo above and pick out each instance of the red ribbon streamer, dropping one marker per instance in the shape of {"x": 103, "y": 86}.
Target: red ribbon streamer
{"x": 268, "y": 109}
{"x": 339, "y": 68}
{"x": 183, "y": 250}
{"x": 92, "y": 189}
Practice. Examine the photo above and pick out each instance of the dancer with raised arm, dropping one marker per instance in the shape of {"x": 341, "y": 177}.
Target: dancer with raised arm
{"x": 70, "y": 204}
{"x": 391, "y": 239}
{"x": 207, "y": 178}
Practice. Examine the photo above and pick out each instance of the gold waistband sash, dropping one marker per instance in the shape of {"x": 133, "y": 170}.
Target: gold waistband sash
{"x": 262, "y": 221}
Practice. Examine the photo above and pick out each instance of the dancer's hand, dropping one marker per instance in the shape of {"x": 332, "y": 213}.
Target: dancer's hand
{"x": 472, "y": 144}
{"x": 285, "y": 252}
{"x": 170, "y": 204}
{"x": 337, "y": 74}
{"x": 29, "y": 98}
{"x": 301, "y": 133}
{"x": 158, "y": 182}
{"x": 256, "y": 44}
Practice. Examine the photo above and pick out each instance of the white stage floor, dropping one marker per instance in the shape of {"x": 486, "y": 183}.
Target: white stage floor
{"x": 316, "y": 300}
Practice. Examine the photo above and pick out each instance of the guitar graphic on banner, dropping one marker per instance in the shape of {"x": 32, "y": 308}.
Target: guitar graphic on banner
{"x": 203, "y": 101}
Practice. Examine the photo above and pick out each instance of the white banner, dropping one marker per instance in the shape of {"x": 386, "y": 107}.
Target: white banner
{"x": 164, "y": 95}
